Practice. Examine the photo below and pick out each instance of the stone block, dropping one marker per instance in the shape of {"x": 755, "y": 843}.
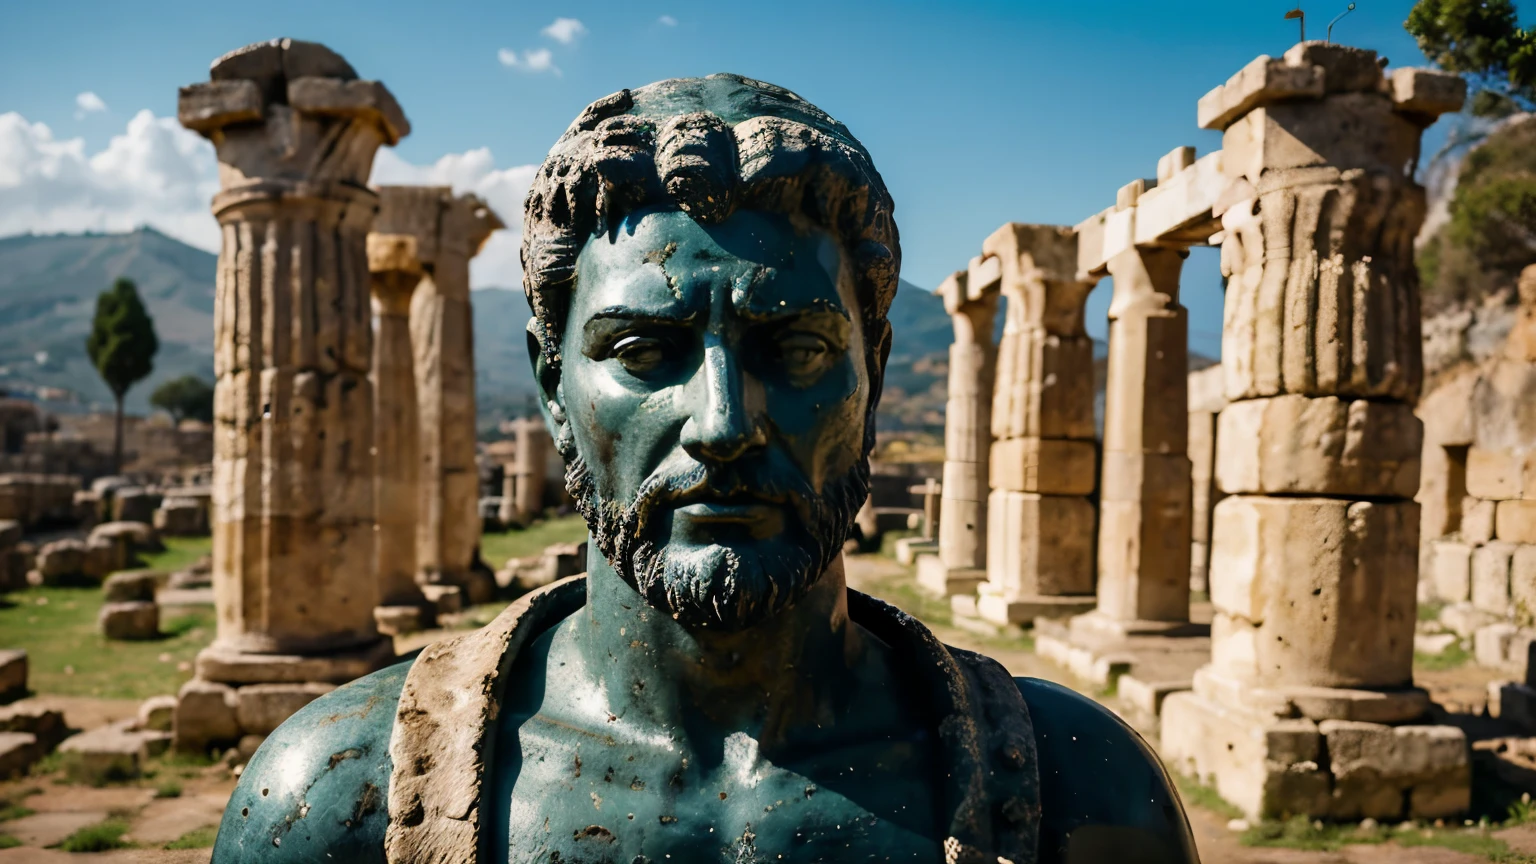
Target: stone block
{"x": 13, "y": 674}
{"x": 397, "y": 620}
{"x": 11, "y": 533}
{"x": 1490, "y": 577}
{"x": 1052, "y": 467}
{"x": 1368, "y": 760}
{"x": 131, "y": 586}
{"x": 1450, "y": 570}
{"x": 103, "y": 557}
{"x": 909, "y": 548}
{"x": 1039, "y": 545}
{"x": 1515, "y": 521}
{"x": 209, "y": 105}
{"x": 217, "y": 663}
{"x": 1261, "y": 81}
{"x": 181, "y": 518}
{"x": 106, "y": 754}
{"x": 1327, "y": 586}
{"x": 134, "y": 504}
{"x": 940, "y": 580}
{"x": 261, "y": 708}
{"x": 138, "y": 536}
{"x": 1145, "y": 698}
{"x": 47, "y": 724}
{"x": 1427, "y": 91}
{"x": 205, "y": 716}
{"x": 1464, "y": 619}
{"x": 61, "y": 561}
{"x": 1477, "y": 519}
{"x": 1501, "y": 475}
{"x": 446, "y": 599}
{"x": 18, "y": 752}
{"x": 129, "y": 621}
{"x": 1491, "y": 644}
{"x": 1296, "y": 445}
{"x": 1345, "y": 68}
{"x": 1522, "y": 585}
{"x": 157, "y": 714}
{"x": 1024, "y": 609}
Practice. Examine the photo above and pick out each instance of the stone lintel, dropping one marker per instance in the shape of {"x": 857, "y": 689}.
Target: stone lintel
{"x": 1179, "y": 212}
{"x": 212, "y": 105}
{"x": 1262, "y": 81}
{"x": 1427, "y": 93}
{"x": 1173, "y": 162}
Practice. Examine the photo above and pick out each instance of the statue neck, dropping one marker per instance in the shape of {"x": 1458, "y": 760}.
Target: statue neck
{"x": 777, "y": 681}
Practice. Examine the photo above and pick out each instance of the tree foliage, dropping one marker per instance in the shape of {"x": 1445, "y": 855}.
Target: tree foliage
{"x": 186, "y": 398}
{"x": 1491, "y": 234}
{"x": 1483, "y": 41}
{"x": 122, "y": 343}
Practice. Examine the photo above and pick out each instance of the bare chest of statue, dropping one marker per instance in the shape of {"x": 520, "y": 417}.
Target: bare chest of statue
{"x": 580, "y": 788}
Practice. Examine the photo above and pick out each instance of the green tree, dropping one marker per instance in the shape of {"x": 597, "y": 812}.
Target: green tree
{"x": 184, "y": 398}
{"x": 122, "y": 347}
{"x": 1482, "y": 41}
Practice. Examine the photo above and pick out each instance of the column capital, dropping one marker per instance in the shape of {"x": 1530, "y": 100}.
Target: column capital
{"x": 1039, "y": 271}
{"x": 395, "y": 269}
{"x": 291, "y": 117}
{"x": 442, "y": 223}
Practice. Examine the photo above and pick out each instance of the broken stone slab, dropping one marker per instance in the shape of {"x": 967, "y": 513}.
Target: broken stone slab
{"x": 131, "y": 586}
{"x": 133, "y": 621}
{"x": 218, "y": 664}
{"x": 261, "y": 708}
{"x": 18, "y": 752}
{"x": 139, "y": 536}
{"x": 110, "y": 753}
{"x": 1433, "y": 763}
{"x": 13, "y": 674}
{"x": 47, "y": 724}
{"x": 157, "y": 714}
{"x": 1296, "y": 445}
{"x": 204, "y": 717}
{"x": 61, "y": 560}
{"x": 446, "y": 599}
{"x": 398, "y": 620}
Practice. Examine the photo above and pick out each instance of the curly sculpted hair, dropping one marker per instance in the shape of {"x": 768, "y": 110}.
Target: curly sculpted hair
{"x": 706, "y": 146}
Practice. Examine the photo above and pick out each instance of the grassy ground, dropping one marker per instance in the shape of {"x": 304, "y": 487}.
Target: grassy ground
{"x": 68, "y": 656}
{"x": 495, "y": 549}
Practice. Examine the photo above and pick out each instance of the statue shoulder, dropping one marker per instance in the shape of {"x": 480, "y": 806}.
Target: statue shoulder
{"x": 1104, "y": 794}
{"x": 315, "y": 790}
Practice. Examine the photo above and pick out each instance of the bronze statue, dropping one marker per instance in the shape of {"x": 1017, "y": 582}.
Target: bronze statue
{"x": 710, "y": 263}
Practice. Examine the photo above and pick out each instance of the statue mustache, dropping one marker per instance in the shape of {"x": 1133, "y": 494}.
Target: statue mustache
{"x": 769, "y": 479}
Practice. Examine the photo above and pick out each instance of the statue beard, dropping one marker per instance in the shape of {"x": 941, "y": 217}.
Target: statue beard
{"x": 715, "y": 587}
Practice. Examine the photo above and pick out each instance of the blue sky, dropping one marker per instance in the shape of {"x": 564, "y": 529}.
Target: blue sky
{"x": 977, "y": 113}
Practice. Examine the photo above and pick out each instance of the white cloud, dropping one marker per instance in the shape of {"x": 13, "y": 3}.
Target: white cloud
{"x": 474, "y": 171}
{"x": 154, "y": 173}
{"x": 88, "y": 103}
{"x": 534, "y": 60}
{"x": 667, "y": 21}
{"x": 157, "y": 173}
{"x": 565, "y": 30}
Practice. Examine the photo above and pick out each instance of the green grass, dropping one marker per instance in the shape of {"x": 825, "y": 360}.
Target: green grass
{"x": 98, "y": 838}
{"x": 1299, "y": 832}
{"x": 180, "y": 553}
{"x": 200, "y": 838}
{"x": 1430, "y": 611}
{"x": 1453, "y": 657}
{"x": 496, "y": 548}
{"x": 8, "y": 842}
{"x": 168, "y": 789}
{"x": 68, "y": 656}
{"x": 1471, "y": 841}
{"x": 1200, "y": 795}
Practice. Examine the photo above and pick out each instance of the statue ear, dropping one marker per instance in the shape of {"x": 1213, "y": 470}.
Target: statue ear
{"x": 547, "y": 378}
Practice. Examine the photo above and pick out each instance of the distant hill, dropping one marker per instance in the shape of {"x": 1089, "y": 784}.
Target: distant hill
{"x": 48, "y": 288}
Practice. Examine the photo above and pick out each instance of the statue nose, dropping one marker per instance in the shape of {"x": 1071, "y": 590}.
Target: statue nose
{"x": 723, "y": 425}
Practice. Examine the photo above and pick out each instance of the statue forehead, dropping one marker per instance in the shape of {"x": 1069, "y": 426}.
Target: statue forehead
{"x": 666, "y": 261}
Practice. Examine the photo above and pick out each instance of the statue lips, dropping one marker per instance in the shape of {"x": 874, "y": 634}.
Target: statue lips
{"x": 760, "y": 515}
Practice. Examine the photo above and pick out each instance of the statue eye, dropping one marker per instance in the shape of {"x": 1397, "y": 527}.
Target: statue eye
{"x": 640, "y": 355}
{"x": 804, "y": 354}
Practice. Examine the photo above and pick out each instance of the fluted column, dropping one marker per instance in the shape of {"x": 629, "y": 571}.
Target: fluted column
{"x": 1314, "y": 551}
{"x": 970, "y": 297}
{"x": 528, "y": 466}
{"x": 295, "y": 133}
{"x": 443, "y": 339}
{"x": 397, "y": 270}
{"x": 1041, "y": 524}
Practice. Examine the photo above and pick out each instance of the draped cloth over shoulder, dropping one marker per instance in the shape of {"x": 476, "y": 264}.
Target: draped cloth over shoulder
{"x": 445, "y": 724}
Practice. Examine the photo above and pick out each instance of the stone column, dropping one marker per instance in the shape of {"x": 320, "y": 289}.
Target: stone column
{"x": 970, "y": 297}
{"x": 442, "y": 333}
{"x": 407, "y": 215}
{"x": 1207, "y": 397}
{"x": 1144, "y": 498}
{"x": 1308, "y": 705}
{"x": 528, "y": 466}
{"x": 293, "y": 496}
{"x": 1042, "y": 465}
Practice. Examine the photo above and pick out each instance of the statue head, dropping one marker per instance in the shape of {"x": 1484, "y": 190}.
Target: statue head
{"x": 710, "y": 262}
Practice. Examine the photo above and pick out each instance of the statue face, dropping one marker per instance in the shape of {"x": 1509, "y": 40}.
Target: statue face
{"x": 715, "y": 384}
